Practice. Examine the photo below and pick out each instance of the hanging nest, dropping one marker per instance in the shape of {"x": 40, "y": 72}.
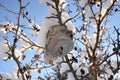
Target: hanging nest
{"x": 59, "y": 42}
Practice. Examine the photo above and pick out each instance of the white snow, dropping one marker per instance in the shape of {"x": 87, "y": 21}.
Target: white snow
{"x": 3, "y": 50}
{"x": 69, "y": 56}
{"x": 93, "y": 39}
{"x": 14, "y": 72}
{"x": 34, "y": 32}
{"x": 64, "y": 67}
{"x": 69, "y": 24}
{"x": 8, "y": 26}
{"x": 46, "y": 1}
{"x": 70, "y": 76}
{"x": 75, "y": 66}
{"x": 83, "y": 2}
{"x": 114, "y": 64}
{"x": 108, "y": 70}
{"x": 51, "y": 2}
{"x": 17, "y": 53}
{"x": 1, "y": 33}
{"x": 5, "y": 76}
{"x": 11, "y": 76}
{"x": 78, "y": 72}
{"x": 88, "y": 13}
{"x": 34, "y": 24}
{"x": 104, "y": 9}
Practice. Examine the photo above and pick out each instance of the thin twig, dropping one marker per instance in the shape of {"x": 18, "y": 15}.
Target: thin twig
{"x": 8, "y": 9}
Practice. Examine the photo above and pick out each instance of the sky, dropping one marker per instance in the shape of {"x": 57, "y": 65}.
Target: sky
{"x": 37, "y": 11}
{"x": 34, "y": 9}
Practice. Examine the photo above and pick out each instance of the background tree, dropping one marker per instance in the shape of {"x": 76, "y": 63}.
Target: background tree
{"x": 96, "y": 43}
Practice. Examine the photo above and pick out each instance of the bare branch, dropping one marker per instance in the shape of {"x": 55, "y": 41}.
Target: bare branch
{"x": 8, "y": 9}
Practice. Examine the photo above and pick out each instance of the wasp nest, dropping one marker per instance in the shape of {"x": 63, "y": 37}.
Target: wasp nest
{"x": 59, "y": 42}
